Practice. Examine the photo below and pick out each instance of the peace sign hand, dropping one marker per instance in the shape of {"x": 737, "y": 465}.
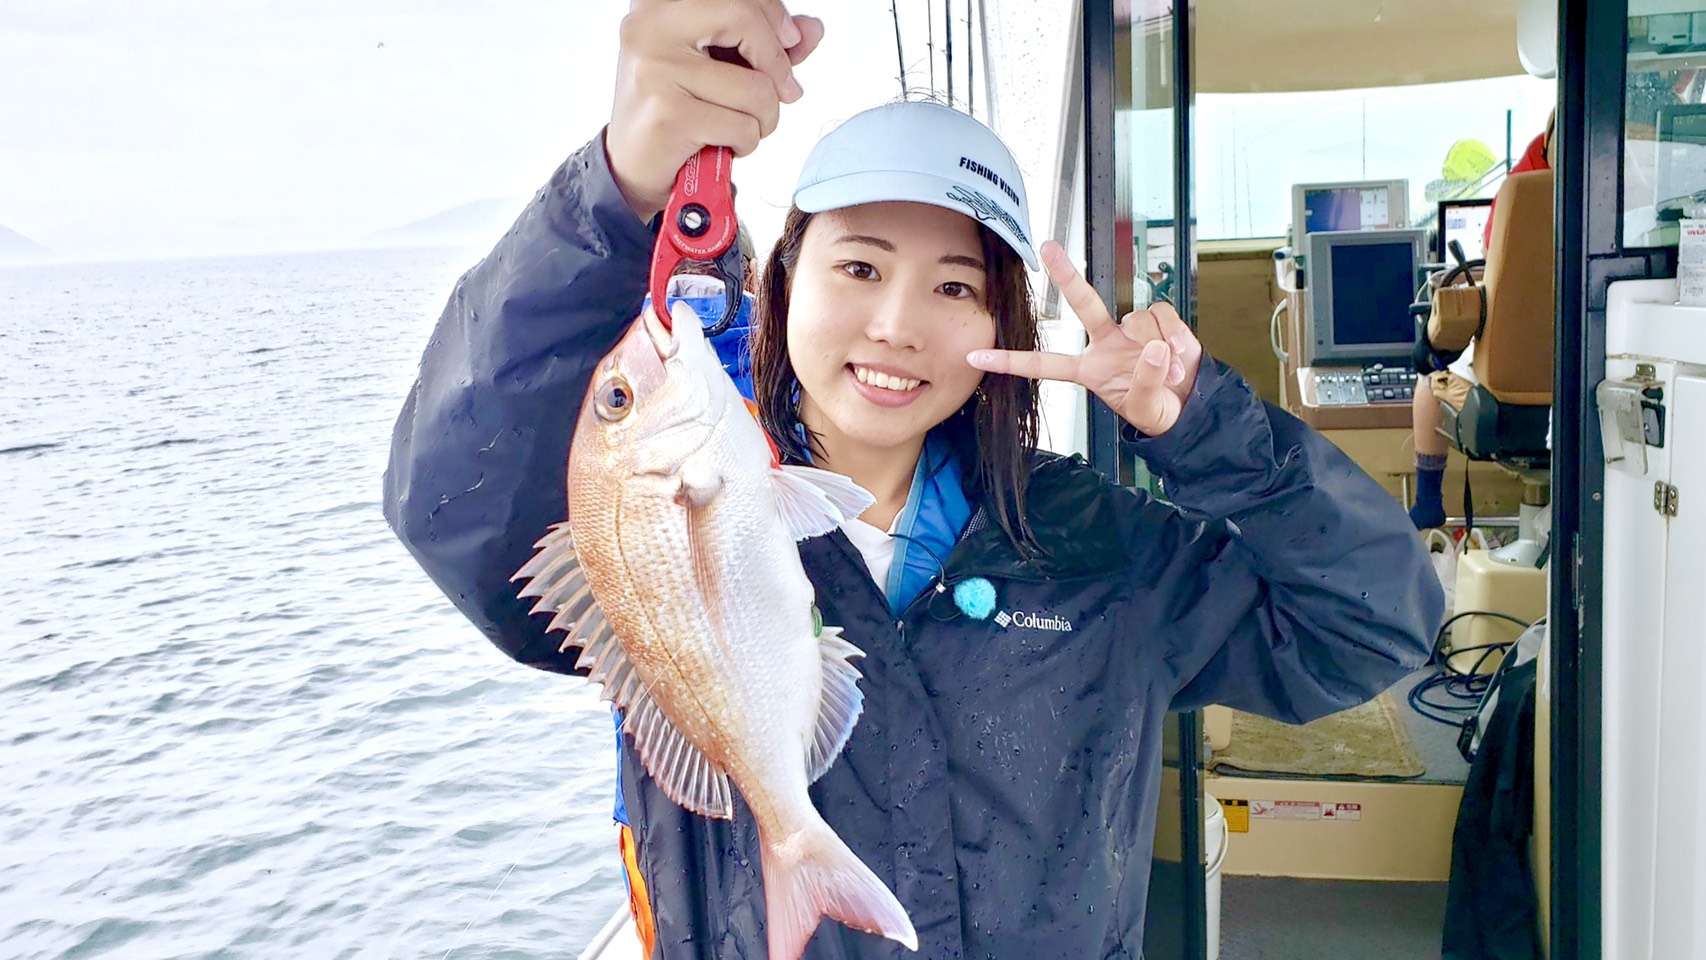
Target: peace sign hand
{"x": 1143, "y": 367}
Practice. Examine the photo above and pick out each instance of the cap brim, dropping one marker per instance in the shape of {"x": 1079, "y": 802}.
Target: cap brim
{"x": 883, "y": 186}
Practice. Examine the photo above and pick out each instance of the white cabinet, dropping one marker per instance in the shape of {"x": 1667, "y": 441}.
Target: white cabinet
{"x": 1654, "y": 733}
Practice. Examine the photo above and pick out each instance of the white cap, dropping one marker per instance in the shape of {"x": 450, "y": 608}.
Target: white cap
{"x": 925, "y": 153}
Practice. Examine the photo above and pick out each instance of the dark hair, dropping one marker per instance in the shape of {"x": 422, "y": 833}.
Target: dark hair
{"x": 995, "y": 433}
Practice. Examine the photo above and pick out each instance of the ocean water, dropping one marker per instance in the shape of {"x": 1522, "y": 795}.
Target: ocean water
{"x": 236, "y": 719}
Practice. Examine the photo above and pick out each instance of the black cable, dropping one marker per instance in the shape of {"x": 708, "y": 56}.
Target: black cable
{"x": 1466, "y": 688}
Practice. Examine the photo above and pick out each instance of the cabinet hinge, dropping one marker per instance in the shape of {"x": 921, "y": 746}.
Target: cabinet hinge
{"x": 1665, "y": 499}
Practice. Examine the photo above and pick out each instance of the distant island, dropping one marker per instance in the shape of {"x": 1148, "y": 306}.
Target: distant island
{"x": 17, "y": 248}
{"x": 477, "y": 224}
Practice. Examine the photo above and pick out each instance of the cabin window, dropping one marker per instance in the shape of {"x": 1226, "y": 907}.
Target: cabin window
{"x": 1664, "y": 119}
{"x": 1446, "y": 139}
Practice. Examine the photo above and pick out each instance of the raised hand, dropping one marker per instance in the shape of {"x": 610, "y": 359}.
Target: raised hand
{"x": 1143, "y": 367}
{"x": 678, "y": 92}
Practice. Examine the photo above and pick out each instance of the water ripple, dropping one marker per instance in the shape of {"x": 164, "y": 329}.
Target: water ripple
{"x": 240, "y": 721}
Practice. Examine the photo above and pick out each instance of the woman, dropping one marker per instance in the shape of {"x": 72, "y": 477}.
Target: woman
{"x": 1025, "y": 645}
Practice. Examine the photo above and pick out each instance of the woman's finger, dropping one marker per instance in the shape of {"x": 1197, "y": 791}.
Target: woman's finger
{"x": 811, "y": 34}
{"x": 1187, "y": 350}
{"x": 753, "y": 33}
{"x": 1035, "y": 364}
{"x": 736, "y": 88}
{"x": 1079, "y": 295}
{"x": 1149, "y": 405}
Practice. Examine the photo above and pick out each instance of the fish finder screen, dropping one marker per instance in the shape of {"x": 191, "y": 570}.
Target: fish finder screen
{"x": 1372, "y": 287}
{"x": 1346, "y": 208}
{"x": 1467, "y": 224}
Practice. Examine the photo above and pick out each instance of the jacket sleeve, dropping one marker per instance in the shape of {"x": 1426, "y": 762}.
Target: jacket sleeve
{"x": 479, "y": 453}
{"x": 1287, "y": 583}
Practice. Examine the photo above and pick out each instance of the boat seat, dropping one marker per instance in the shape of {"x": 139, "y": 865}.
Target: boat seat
{"x": 1504, "y": 416}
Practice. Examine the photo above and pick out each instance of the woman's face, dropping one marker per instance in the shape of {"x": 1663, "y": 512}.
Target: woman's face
{"x": 886, "y": 300}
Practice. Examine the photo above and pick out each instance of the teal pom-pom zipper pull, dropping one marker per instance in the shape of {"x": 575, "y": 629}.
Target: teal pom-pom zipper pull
{"x": 975, "y": 597}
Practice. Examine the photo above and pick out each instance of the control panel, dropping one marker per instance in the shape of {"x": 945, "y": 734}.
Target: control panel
{"x": 1351, "y": 386}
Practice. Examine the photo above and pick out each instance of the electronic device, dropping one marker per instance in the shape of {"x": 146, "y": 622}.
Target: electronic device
{"x": 1356, "y": 386}
{"x": 1361, "y": 285}
{"x": 1347, "y": 205}
{"x": 1682, "y": 151}
{"x": 1464, "y": 220}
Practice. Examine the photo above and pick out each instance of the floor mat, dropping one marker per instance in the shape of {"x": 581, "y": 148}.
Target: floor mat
{"x": 1366, "y": 741}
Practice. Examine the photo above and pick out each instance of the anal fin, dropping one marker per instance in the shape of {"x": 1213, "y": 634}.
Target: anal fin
{"x": 841, "y": 705}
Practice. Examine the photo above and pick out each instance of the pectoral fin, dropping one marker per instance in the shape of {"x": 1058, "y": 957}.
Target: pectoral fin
{"x": 813, "y": 502}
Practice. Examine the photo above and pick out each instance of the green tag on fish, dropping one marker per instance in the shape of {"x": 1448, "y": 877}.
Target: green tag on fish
{"x": 817, "y": 622}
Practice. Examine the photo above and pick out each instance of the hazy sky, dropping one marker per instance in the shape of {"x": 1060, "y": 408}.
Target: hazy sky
{"x": 184, "y": 127}
{"x": 175, "y": 127}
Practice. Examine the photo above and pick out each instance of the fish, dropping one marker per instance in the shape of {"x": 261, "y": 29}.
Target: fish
{"x": 677, "y": 574}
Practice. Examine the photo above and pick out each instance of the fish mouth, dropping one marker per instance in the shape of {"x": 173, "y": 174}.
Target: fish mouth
{"x": 663, "y": 340}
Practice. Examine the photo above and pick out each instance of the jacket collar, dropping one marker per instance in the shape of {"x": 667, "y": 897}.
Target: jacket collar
{"x": 1072, "y": 513}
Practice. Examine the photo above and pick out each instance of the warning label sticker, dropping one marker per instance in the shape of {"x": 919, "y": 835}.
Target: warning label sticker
{"x": 1237, "y": 815}
{"x": 1341, "y": 811}
{"x": 1303, "y": 810}
{"x": 1285, "y": 810}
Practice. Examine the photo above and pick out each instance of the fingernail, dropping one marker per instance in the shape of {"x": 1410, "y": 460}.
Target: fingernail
{"x": 1153, "y": 357}
{"x": 1176, "y": 375}
{"x": 977, "y": 356}
{"x": 793, "y": 91}
{"x": 790, "y": 34}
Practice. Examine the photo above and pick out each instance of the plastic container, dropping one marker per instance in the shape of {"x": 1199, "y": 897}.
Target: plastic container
{"x": 1216, "y": 840}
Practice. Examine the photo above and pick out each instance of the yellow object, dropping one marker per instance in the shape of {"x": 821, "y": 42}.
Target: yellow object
{"x": 1484, "y": 583}
{"x": 1237, "y": 813}
{"x": 1467, "y": 160}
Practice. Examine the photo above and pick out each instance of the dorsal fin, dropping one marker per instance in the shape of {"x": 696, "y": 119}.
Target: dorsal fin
{"x": 686, "y": 775}
{"x": 842, "y": 702}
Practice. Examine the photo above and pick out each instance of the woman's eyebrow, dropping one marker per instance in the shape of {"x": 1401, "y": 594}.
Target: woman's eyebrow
{"x": 877, "y": 242}
{"x": 952, "y": 259}
{"x": 961, "y": 260}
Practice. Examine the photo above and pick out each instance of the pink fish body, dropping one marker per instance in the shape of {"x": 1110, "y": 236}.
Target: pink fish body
{"x": 677, "y": 571}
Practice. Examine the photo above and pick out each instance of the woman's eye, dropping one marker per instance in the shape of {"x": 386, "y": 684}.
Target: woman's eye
{"x": 615, "y": 399}
{"x": 859, "y": 270}
{"x": 958, "y": 290}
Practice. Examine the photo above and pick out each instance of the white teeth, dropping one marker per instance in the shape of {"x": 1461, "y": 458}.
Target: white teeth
{"x": 877, "y": 378}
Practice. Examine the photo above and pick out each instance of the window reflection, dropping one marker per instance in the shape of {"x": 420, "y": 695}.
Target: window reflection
{"x": 1664, "y": 117}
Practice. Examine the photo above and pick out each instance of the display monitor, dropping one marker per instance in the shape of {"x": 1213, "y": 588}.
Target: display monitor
{"x": 1463, "y": 220}
{"x": 1347, "y": 205}
{"x": 1681, "y": 151}
{"x": 1361, "y": 284}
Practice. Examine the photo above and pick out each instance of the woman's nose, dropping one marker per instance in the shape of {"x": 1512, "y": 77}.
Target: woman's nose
{"x": 897, "y": 320}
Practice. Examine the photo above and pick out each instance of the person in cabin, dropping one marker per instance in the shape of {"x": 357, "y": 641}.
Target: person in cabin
{"x": 1451, "y": 378}
{"x": 1026, "y": 623}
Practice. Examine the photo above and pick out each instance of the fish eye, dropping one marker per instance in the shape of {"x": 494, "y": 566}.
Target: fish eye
{"x": 615, "y": 399}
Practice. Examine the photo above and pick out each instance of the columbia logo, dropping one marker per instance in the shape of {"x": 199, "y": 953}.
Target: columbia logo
{"x": 1032, "y": 621}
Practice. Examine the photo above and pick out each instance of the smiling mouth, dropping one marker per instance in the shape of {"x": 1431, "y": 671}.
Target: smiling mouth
{"x": 884, "y": 381}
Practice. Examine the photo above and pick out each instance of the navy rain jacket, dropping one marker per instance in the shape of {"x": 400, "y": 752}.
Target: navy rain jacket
{"x": 1003, "y": 778}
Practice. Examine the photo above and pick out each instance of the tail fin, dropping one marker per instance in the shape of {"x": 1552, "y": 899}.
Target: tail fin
{"x": 813, "y": 875}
